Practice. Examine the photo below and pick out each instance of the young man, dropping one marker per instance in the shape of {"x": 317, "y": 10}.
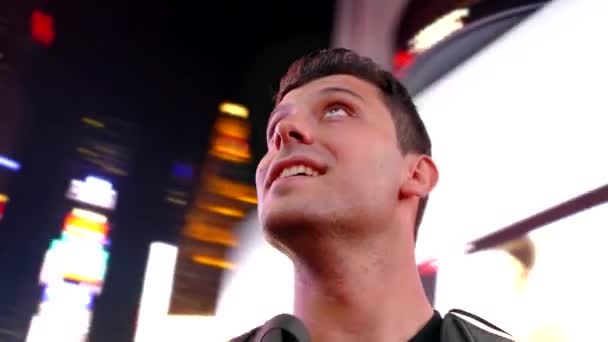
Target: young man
{"x": 341, "y": 192}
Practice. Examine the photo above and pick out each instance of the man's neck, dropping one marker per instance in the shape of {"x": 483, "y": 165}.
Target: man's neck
{"x": 361, "y": 295}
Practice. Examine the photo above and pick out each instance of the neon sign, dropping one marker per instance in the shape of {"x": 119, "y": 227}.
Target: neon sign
{"x": 94, "y": 191}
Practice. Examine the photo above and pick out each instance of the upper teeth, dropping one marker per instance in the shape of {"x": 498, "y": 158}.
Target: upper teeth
{"x": 296, "y": 169}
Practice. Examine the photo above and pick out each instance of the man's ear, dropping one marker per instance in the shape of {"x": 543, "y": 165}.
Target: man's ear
{"x": 420, "y": 176}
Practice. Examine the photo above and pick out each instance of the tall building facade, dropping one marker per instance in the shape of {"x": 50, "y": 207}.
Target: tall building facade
{"x": 221, "y": 198}
{"x": 74, "y": 267}
{"x": 16, "y": 51}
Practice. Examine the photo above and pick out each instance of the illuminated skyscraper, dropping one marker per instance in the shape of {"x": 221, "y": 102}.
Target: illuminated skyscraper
{"x": 72, "y": 274}
{"x": 16, "y": 50}
{"x": 221, "y": 200}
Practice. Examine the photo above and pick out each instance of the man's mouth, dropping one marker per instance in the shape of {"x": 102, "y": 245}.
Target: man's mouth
{"x": 295, "y": 167}
{"x": 298, "y": 170}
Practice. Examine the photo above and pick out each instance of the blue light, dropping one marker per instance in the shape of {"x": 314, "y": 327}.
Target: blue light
{"x": 182, "y": 170}
{"x": 9, "y": 163}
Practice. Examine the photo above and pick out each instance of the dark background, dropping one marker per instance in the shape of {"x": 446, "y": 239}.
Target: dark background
{"x": 164, "y": 66}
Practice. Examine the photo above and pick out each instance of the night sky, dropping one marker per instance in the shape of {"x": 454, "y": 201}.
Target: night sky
{"x": 164, "y": 66}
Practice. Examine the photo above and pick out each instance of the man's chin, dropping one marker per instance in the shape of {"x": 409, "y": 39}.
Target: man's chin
{"x": 283, "y": 225}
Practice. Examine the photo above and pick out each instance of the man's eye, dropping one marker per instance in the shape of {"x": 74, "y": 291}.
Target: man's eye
{"x": 335, "y": 111}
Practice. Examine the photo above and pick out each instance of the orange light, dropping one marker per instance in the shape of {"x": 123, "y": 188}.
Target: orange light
{"x": 226, "y": 211}
{"x": 73, "y": 222}
{"x": 231, "y": 149}
{"x": 83, "y": 279}
{"x": 89, "y": 215}
{"x": 232, "y": 127}
{"x": 233, "y": 190}
{"x": 213, "y": 234}
{"x": 214, "y": 262}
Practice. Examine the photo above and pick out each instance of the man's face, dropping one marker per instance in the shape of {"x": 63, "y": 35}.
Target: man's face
{"x": 332, "y": 161}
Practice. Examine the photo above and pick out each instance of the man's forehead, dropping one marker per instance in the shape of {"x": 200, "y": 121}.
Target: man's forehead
{"x": 332, "y": 82}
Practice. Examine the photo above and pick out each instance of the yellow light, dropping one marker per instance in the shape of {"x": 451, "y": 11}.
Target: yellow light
{"x": 225, "y": 211}
{"x": 234, "y": 109}
{"x": 115, "y": 170}
{"x": 439, "y": 29}
{"x": 214, "y": 262}
{"x": 89, "y": 215}
{"x": 92, "y": 122}
{"x": 83, "y": 279}
{"x": 176, "y": 200}
{"x": 3, "y": 198}
{"x": 87, "y": 152}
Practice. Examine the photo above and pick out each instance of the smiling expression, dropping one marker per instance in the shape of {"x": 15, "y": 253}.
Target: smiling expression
{"x": 332, "y": 157}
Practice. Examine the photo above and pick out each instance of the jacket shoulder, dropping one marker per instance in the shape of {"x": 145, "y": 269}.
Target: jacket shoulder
{"x": 461, "y": 326}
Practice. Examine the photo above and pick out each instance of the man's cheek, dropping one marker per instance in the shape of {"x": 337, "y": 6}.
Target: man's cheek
{"x": 260, "y": 173}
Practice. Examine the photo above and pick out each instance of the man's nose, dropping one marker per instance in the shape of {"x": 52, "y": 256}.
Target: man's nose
{"x": 289, "y": 131}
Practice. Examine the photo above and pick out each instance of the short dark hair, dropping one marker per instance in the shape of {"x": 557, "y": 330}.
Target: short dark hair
{"x": 411, "y": 133}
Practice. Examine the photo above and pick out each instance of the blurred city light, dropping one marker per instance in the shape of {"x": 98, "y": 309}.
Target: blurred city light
{"x": 3, "y": 200}
{"x": 175, "y": 200}
{"x": 440, "y": 29}
{"x": 9, "y": 163}
{"x": 73, "y": 221}
{"x": 94, "y": 191}
{"x": 208, "y": 233}
{"x": 234, "y": 109}
{"x": 183, "y": 170}
{"x": 89, "y": 215}
{"x": 67, "y": 293}
{"x": 74, "y": 266}
{"x": 231, "y": 189}
{"x": 227, "y": 211}
{"x": 92, "y": 122}
{"x": 157, "y": 289}
{"x": 230, "y": 149}
{"x": 42, "y": 28}
{"x": 214, "y": 262}
{"x": 77, "y": 260}
{"x": 403, "y": 59}
{"x": 234, "y": 128}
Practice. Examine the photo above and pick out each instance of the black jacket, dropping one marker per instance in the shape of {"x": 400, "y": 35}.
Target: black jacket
{"x": 456, "y": 326}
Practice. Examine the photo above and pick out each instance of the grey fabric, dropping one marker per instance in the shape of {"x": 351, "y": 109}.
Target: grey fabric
{"x": 457, "y": 326}
{"x": 461, "y": 326}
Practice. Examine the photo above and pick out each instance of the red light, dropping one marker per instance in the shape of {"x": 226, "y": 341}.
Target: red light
{"x": 428, "y": 267}
{"x": 2, "y": 206}
{"x": 43, "y": 28}
{"x": 403, "y": 59}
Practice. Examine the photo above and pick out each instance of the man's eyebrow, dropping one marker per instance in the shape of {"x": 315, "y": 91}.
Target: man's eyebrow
{"x": 342, "y": 90}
